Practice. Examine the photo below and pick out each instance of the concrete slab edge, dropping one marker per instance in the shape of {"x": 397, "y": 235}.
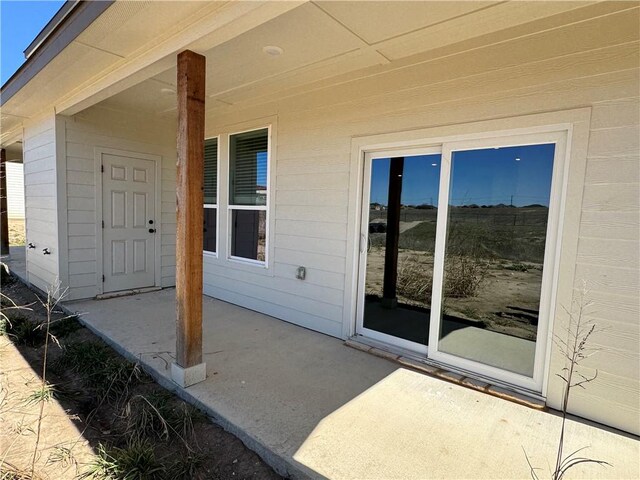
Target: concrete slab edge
{"x": 448, "y": 376}
{"x": 281, "y": 464}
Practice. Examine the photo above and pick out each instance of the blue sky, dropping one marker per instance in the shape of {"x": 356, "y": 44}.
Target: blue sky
{"x": 20, "y": 23}
{"x": 521, "y": 175}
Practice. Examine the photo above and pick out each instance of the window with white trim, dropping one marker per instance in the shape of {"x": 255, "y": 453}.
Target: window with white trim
{"x": 210, "y": 242}
{"x": 248, "y": 195}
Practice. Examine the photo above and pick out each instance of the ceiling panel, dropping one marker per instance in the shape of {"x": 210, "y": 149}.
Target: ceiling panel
{"x": 73, "y": 63}
{"x": 497, "y": 17}
{"x": 319, "y": 49}
{"x": 149, "y": 96}
{"x": 378, "y": 21}
{"x": 125, "y": 29}
{"x": 306, "y": 34}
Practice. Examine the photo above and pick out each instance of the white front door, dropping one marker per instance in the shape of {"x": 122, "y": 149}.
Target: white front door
{"x": 129, "y": 222}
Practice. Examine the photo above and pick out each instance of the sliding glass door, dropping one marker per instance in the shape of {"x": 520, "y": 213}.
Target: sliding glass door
{"x": 457, "y": 253}
{"x": 398, "y": 246}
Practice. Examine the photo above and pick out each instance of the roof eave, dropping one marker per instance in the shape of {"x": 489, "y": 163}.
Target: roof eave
{"x": 69, "y": 22}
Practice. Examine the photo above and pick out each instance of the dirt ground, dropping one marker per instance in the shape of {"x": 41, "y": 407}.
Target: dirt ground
{"x": 74, "y": 422}
{"x": 505, "y": 285}
{"x": 16, "y": 231}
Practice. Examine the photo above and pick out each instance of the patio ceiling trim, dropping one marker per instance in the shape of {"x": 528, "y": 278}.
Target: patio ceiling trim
{"x": 69, "y": 22}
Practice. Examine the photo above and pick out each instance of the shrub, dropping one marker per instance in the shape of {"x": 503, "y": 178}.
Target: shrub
{"x": 413, "y": 282}
{"x": 104, "y": 372}
{"x": 65, "y": 326}
{"x": 22, "y": 331}
{"x": 136, "y": 461}
{"x": 463, "y": 276}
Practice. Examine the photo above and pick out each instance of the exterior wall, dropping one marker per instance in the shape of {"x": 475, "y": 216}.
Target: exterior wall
{"x": 15, "y": 190}
{"x": 40, "y": 184}
{"x": 132, "y": 132}
{"x": 595, "y": 64}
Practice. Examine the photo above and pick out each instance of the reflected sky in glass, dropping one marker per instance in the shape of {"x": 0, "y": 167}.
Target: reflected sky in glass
{"x": 261, "y": 167}
{"x": 420, "y": 180}
{"x": 516, "y": 176}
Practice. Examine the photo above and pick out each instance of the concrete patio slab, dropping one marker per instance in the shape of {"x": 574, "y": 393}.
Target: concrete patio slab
{"x": 312, "y": 407}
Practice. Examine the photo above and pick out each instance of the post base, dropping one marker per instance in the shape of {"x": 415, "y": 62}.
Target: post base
{"x": 185, "y": 377}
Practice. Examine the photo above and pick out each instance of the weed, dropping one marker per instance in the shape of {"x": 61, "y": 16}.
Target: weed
{"x": 187, "y": 466}
{"x": 83, "y": 357}
{"x": 22, "y": 331}
{"x": 575, "y": 349}
{"x": 11, "y": 472}
{"x": 136, "y": 461}
{"x": 471, "y": 312}
{"x": 106, "y": 374}
{"x": 146, "y": 416}
{"x": 65, "y": 326}
{"x": 158, "y": 415}
{"x": 517, "y": 267}
{"x": 62, "y": 456}
{"x": 413, "y": 282}
{"x": 45, "y": 393}
{"x": 182, "y": 421}
{"x": 463, "y": 276}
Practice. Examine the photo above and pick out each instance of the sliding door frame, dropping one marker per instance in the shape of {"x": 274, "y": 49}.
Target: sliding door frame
{"x": 536, "y": 381}
{"x": 369, "y": 157}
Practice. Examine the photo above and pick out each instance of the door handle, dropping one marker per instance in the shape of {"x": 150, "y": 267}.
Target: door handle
{"x": 152, "y": 230}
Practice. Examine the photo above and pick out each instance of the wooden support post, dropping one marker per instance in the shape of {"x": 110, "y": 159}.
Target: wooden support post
{"x": 189, "y": 189}
{"x": 390, "y": 283}
{"x": 4, "y": 220}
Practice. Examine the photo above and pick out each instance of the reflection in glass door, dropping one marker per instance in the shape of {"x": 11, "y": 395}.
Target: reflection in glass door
{"x": 490, "y": 261}
{"x": 401, "y": 230}
{"x": 456, "y": 253}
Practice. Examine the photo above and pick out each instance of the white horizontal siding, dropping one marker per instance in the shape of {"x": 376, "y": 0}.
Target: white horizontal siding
{"x": 39, "y": 146}
{"x": 594, "y": 63}
{"x": 97, "y": 127}
{"x": 15, "y": 190}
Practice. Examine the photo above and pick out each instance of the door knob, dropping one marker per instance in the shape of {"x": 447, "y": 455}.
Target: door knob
{"x": 152, "y": 230}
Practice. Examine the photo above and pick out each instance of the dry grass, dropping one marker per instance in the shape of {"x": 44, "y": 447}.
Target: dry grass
{"x": 463, "y": 277}
{"x": 17, "y": 234}
{"x": 413, "y": 281}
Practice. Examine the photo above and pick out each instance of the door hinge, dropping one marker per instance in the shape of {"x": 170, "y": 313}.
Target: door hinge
{"x": 103, "y": 278}
{"x": 102, "y": 223}
{"x": 102, "y": 168}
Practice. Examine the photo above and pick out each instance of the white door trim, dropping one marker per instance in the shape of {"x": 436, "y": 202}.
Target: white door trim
{"x": 574, "y": 122}
{"x": 363, "y": 241}
{"x": 534, "y": 383}
{"x": 157, "y": 159}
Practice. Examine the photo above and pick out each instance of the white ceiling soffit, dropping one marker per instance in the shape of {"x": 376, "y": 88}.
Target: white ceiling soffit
{"x": 129, "y": 43}
{"x": 325, "y": 42}
{"x": 375, "y": 37}
{"x": 385, "y": 20}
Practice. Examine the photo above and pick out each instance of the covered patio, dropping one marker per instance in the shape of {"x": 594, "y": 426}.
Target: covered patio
{"x": 314, "y": 408}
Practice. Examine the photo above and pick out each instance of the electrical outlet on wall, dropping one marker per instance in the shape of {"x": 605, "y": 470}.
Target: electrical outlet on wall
{"x": 301, "y": 273}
